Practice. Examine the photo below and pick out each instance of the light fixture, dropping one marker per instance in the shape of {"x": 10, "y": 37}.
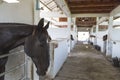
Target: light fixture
{"x": 11, "y": 1}
{"x": 83, "y": 20}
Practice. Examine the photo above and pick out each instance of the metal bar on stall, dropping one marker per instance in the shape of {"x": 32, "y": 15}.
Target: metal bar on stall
{"x": 12, "y": 69}
{"x": 23, "y": 78}
{"x": 12, "y": 53}
{"x": 16, "y": 67}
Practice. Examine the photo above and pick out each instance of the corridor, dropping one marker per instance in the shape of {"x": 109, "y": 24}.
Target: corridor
{"x": 85, "y": 63}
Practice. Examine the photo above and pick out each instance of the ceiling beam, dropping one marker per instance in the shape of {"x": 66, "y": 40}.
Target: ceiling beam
{"x": 91, "y": 15}
{"x": 74, "y": 4}
{"x": 87, "y": 12}
{"x": 63, "y": 6}
{"x": 92, "y": 10}
{"x": 92, "y": 1}
{"x": 88, "y": 8}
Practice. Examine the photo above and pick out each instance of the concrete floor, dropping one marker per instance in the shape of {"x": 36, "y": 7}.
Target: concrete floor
{"x": 85, "y": 63}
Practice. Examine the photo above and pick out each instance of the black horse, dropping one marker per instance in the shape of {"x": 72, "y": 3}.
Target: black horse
{"x": 34, "y": 38}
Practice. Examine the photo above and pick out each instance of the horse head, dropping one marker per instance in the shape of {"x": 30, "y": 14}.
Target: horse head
{"x": 37, "y": 47}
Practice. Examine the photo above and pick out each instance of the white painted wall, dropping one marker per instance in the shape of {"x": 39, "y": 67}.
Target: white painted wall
{"x": 18, "y": 12}
{"x": 100, "y": 41}
{"x": 63, "y": 33}
{"x": 60, "y": 36}
{"x": 60, "y": 33}
{"x": 57, "y": 33}
{"x": 57, "y": 56}
{"x": 60, "y": 55}
{"x": 114, "y": 37}
{"x": 116, "y": 49}
{"x": 99, "y": 36}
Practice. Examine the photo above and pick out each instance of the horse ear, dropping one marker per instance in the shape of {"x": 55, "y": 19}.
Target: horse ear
{"x": 41, "y": 23}
{"x": 47, "y": 25}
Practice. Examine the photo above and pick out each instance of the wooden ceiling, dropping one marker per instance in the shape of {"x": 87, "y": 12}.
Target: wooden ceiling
{"x": 85, "y": 21}
{"x": 92, "y": 6}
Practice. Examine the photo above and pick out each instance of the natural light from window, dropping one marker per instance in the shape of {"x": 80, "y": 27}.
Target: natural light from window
{"x": 11, "y": 1}
{"x": 83, "y": 36}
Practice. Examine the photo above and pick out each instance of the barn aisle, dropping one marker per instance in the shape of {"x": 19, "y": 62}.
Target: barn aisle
{"x": 85, "y": 63}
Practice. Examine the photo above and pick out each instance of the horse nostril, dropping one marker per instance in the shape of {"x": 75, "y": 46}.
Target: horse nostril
{"x": 42, "y": 73}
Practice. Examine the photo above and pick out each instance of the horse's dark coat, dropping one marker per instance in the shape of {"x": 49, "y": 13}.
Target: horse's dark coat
{"x": 33, "y": 37}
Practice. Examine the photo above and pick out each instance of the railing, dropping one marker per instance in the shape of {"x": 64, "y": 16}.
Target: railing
{"x": 12, "y": 69}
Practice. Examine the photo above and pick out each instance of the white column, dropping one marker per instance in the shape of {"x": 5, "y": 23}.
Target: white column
{"x": 69, "y": 23}
{"x": 74, "y": 25}
{"x": 91, "y": 30}
{"x": 69, "y": 29}
{"x": 110, "y": 26}
{"x": 109, "y": 43}
{"x": 97, "y": 29}
{"x": 74, "y": 33}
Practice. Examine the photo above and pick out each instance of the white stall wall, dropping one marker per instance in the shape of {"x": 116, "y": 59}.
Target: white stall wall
{"x": 114, "y": 37}
{"x": 92, "y": 39}
{"x": 60, "y": 33}
{"x": 17, "y": 12}
{"x": 57, "y": 33}
{"x": 116, "y": 50}
{"x": 58, "y": 55}
{"x": 100, "y": 41}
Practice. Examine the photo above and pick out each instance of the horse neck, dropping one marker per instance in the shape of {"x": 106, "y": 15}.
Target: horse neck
{"x": 18, "y": 34}
{"x": 26, "y": 32}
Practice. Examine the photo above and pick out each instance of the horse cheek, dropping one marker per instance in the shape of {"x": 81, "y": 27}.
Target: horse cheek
{"x": 28, "y": 46}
